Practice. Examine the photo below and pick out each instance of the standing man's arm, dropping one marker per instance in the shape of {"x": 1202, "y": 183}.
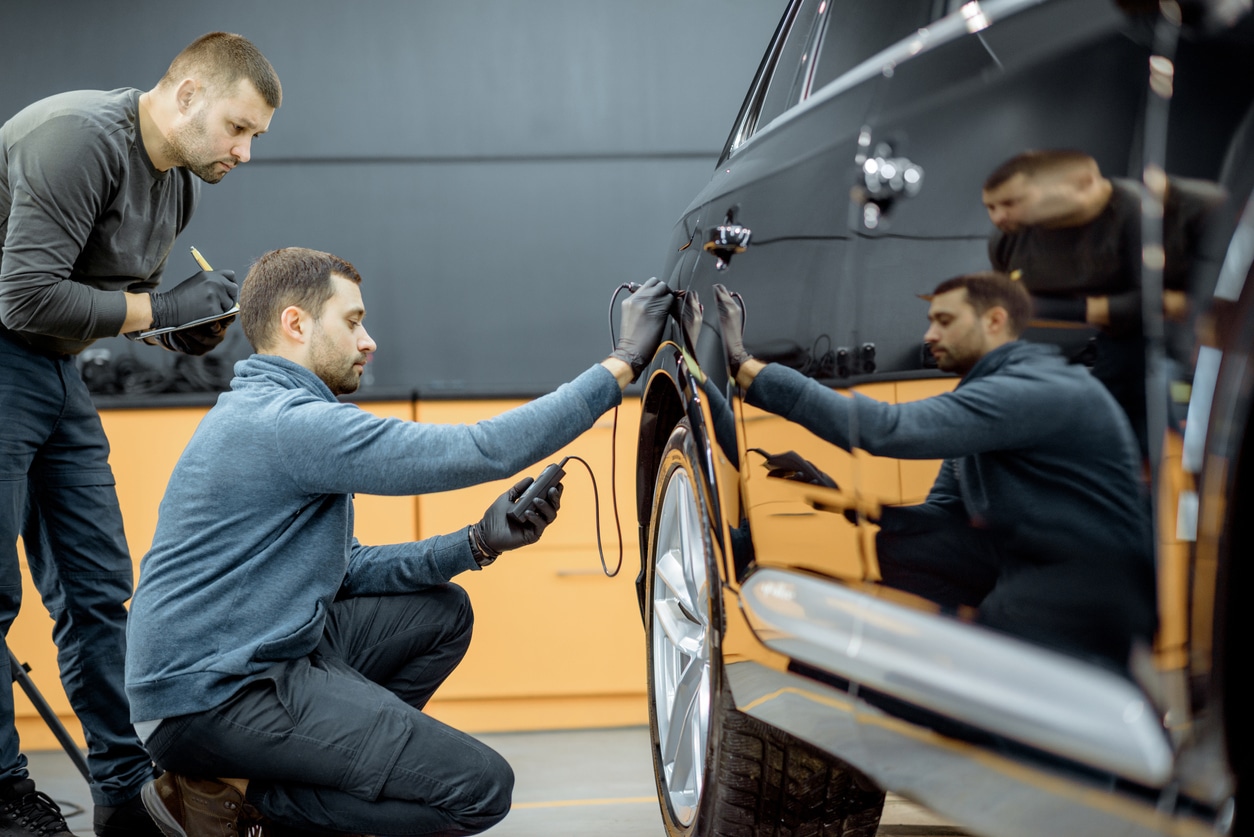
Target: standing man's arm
{"x": 61, "y": 177}
{"x": 138, "y": 313}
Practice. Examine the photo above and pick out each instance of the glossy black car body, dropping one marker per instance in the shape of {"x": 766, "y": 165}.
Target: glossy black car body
{"x": 788, "y": 690}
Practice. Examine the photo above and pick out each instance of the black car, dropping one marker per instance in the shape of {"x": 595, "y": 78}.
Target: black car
{"x": 789, "y": 688}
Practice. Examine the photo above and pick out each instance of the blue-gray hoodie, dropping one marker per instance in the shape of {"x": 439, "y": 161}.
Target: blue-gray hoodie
{"x": 1038, "y": 452}
{"x": 255, "y": 534}
{"x": 1034, "y": 448}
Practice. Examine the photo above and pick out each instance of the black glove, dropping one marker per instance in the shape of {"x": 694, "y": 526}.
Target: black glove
{"x": 497, "y": 532}
{"x": 792, "y": 466}
{"x": 197, "y": 340}
{"x": 644, "y": 317}
{"x": 731, "y": 321}
{"x": 201, "y": 295}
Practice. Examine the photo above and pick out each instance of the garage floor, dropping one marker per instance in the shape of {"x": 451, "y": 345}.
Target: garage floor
{"x": 568, "y": 783}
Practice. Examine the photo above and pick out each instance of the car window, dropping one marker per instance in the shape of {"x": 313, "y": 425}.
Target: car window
{"x": 773, "y": 89}
{"x": 857, "y": 29}
{"x": 784, "y": 89}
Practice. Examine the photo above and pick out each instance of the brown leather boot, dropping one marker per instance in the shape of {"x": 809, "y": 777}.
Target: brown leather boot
{"x": 184, "y": 807}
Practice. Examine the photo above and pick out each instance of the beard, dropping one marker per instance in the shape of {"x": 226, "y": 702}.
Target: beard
{"x": 959, "y": 359}
{"x": 337, "y": 372}
{"x": 187, "y": 146}
{"x": 946, "y": 363}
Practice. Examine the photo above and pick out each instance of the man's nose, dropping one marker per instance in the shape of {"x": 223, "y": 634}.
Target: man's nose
{"x": 930, "y": 335}
{"x": 366, "y": 342}
{"x": 242, "y": 150}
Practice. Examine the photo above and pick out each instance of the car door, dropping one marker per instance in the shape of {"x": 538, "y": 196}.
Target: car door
{"x": 784, "y": 184}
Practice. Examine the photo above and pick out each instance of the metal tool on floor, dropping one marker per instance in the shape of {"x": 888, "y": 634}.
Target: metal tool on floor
{"x": 21, "y": 676}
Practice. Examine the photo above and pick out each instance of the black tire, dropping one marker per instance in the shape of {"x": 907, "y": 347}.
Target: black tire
{"x": 720, "y": 772}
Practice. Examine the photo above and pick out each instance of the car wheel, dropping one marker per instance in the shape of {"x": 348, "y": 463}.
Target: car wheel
{"x": 719, "y": 771}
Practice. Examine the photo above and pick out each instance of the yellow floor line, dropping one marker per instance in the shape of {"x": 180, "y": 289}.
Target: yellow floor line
{"x": 573, "y": 803}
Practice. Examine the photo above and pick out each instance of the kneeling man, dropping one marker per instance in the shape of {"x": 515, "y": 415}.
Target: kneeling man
{"x": 1038, "y": 517}
{"x": 276, "y": 667}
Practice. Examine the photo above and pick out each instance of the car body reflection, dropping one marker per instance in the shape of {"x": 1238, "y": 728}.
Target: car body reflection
{"x": 860, "y": 687}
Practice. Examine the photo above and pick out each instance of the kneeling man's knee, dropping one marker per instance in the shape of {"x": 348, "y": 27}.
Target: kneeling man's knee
{"x": 488, "y": 800}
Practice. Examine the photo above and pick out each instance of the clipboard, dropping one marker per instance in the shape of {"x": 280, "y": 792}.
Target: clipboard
{"x": 153, "y": 332}
{"x": 230, "y": 312}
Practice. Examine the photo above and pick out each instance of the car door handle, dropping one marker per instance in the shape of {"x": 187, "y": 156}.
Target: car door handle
{"x": 888, "y": 177}
{"x": 726, "y": 240}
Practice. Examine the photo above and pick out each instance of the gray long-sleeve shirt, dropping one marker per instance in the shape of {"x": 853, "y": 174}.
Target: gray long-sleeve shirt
{"x": 255, "y": 537}
{"x": 84, "y": 215}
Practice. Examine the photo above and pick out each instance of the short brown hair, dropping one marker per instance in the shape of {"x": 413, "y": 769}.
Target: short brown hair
{"x": 290, "y": 276}
{"x": 1033, "y": 162}
{"x": 992, "y": 289}
{"x": 222, "y": 59}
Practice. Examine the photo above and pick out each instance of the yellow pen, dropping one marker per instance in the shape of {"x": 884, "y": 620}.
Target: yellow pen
{"x": 200, "y": 260}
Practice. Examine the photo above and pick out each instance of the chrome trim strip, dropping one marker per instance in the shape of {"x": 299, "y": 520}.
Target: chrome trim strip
{"x": 1228, "y": 286}
{"x": 988, "y": 680}
{"x": 1237, "y": 260}
{"x": 1197, "y": 422}
{"x": 990, "y": 793}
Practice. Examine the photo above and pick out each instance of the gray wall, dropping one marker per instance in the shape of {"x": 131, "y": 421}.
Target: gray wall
{"x": 493, "y": 168}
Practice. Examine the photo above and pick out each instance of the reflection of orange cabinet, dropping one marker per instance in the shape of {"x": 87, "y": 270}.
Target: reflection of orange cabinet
{"x": 1171, "y": 643}
{"x": 788, "y": 518}
{"x": 557, "y": 644}
{"x": 917, "y": 475}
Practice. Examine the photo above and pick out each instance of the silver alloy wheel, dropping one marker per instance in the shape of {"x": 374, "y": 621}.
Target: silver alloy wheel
{"x": 681, "y": 645}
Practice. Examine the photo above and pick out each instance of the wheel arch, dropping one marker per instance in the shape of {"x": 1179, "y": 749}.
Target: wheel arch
{"x": 670, "y": 395}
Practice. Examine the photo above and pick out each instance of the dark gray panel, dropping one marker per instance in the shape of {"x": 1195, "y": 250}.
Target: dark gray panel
{"x": 390, "y": 78}
{"x": 478, "y": 279}
{"x": 494, "y": 169}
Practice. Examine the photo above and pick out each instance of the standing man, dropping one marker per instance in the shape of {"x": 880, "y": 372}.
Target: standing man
{"x": 1073, "y": 236}
{"x": 276, "y": 667}
{"x": 1037, "y": 515}
{"x": 94, "y": 188}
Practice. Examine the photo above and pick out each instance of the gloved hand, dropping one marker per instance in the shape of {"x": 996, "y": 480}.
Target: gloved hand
{"x": 793, "y": 466}
{"x": 731, "y": 321}
{"x": 197, "y": 340}
{"x": 644, "y": 317}
{"x": 497, "y": 532}
{"x": 201, "y": 295}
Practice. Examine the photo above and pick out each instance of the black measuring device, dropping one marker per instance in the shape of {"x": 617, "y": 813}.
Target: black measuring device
{"x": 548, "y": 478}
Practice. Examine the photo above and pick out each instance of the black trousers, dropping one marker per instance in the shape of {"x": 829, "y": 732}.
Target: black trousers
{"x": 337, "y": 742}
{"x": 57, "y": 493}
{"x": 1091, "y": 603}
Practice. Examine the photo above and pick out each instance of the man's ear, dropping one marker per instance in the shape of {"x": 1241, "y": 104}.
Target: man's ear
{"x": 185, "y": 94}
{"x": 997, "y": 320}
{"x": 294, "y": 324}
{"x": 1085, "y": 179}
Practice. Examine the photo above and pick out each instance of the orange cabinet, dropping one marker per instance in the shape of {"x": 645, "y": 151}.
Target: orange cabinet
{"x": 557, "y": 644}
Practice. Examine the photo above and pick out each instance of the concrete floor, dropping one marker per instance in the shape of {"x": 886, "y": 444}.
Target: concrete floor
{"x": 573, "y": 782}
